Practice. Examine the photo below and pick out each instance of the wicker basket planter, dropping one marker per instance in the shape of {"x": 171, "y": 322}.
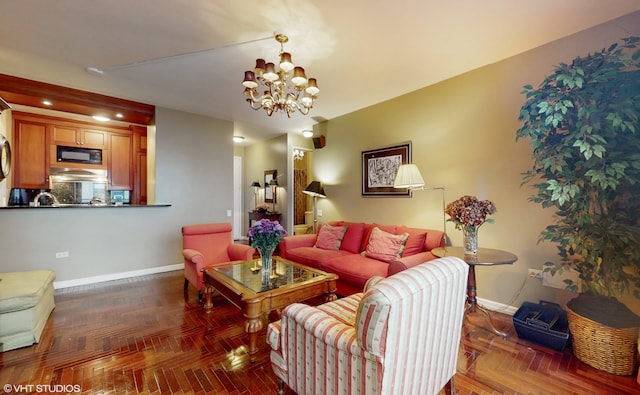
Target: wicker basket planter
{"x": 613, "y": 350}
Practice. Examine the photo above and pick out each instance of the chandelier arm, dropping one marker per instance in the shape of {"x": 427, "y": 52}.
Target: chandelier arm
{"x": 304, "y": 110}
{"x": 251, "y": 104}
{"x": 252, "y": 96}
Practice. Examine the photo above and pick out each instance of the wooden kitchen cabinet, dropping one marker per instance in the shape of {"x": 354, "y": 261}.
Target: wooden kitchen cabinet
{"x": 79, "y": 137}
{"x": 139, "y": 164}
{"x": 36, "y": 137}
{"x": 120, "y": 164}
{"x": 31, "y": 152}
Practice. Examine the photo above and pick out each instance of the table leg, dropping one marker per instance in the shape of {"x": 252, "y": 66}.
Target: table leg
{"x": 491, "y": 326}
{"x": 208, "y": 293}
{"x": 472, "y": 302}
{"x": 252, "y": 326}
{"x": 471, "y": 289}
{"x": 330, "y": 297}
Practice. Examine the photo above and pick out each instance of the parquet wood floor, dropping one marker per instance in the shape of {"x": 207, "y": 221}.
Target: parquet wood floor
{"x": 139, "y": 336}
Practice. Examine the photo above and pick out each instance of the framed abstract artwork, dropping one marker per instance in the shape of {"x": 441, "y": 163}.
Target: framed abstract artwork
{"x": 379, "y": 168}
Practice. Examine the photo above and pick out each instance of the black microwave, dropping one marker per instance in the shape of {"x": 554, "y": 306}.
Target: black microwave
{"x": 90, "y": 156}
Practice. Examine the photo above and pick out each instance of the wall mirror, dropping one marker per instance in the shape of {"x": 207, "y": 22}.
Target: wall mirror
{"x": 269, "y": 175}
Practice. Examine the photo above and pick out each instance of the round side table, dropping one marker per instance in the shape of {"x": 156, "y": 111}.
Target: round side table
{"x": 485, "y": 257}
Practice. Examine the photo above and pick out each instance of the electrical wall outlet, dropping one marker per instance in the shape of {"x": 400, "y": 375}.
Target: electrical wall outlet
{"x": 319, "y": 213}
{"x": 62, "y": 254}
{"x": 535, "y": 273}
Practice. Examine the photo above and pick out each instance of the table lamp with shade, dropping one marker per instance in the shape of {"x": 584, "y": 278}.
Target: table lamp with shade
{"x": 408, "y": 176}
{"x": 315, "y": 190}
{"x": 256, "y": 187}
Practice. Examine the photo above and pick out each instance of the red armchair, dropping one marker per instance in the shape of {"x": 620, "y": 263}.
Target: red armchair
{"x": 206, "y": 245}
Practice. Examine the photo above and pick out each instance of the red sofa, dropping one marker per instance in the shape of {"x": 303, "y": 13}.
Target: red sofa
{"x": 348, "y": 262}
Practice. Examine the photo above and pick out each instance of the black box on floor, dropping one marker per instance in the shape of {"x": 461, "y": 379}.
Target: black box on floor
{"x": 544, "y": 323}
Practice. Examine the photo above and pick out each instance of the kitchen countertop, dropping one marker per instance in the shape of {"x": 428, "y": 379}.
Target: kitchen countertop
{"x": 83, "y": 206}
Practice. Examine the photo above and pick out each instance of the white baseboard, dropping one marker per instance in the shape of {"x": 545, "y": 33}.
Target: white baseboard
{"x": 495, "y": 306}
{"x": 116, "y": 276}
{"x": 488, "y": 304}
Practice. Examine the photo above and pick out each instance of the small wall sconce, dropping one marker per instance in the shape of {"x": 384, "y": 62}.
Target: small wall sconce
{"x": 298, "y": 154}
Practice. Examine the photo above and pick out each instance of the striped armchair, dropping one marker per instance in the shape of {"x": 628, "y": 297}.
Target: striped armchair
{"x": 401, "y": 336}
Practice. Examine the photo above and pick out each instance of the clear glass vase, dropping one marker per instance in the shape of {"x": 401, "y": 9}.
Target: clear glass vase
{"x": 266, "y": 260}
{"x": 470, "y": 240}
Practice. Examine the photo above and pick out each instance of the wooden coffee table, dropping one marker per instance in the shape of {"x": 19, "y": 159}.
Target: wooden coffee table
{"x": 241, "y": 284}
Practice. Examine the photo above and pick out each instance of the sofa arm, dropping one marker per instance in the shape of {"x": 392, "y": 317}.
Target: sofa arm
{"x": 409, "y": 261}
{"x": 193, "y": 256}
{"x": 240, "y": 252}
{"x": 291, "y": 242}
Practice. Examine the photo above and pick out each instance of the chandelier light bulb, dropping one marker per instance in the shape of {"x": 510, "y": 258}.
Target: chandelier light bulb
{"x": 270, "y": 72}
{"x": 286, "y": 64}
{"x": 312, "y": 87}
{"x": 306, "y": 101}
{"x": 249, "y": 80}
{"x": 299, "y": 78}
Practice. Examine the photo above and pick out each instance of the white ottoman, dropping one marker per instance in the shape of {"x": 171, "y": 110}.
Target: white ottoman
{"x": 26, "y": 300}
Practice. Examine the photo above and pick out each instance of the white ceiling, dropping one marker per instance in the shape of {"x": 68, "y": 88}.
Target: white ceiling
{"x": 361, "y": 52}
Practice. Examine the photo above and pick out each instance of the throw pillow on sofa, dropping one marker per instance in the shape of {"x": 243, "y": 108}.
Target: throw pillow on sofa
{"x": 330, "y": 237}
{"x": 416, "y": 241}
{"x": 384, "y": 246}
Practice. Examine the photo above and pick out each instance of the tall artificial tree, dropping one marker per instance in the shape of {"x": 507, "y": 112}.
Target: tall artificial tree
{"x": 582, "y": 123}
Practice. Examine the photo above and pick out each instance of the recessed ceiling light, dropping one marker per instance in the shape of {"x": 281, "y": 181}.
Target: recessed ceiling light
{"x": 47, "y": 102}
{"x": 307, "y": 133}
{"x": 101, "y": 118}
{"x": 238, "y": 139}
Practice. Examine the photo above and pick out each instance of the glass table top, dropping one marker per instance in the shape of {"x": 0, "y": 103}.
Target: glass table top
{"x": 283, "y": 273}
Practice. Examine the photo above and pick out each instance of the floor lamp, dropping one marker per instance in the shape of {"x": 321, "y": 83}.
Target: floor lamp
{"x": 256, "y": 187}
{"x": 409, "y": 176}
{"x": 315, "y": 190}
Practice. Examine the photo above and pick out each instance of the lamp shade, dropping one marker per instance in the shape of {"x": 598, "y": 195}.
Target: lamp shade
{"x": 315, "y": 189}
{"x": 256, "y": 184}
{"x": 408, "y": 176}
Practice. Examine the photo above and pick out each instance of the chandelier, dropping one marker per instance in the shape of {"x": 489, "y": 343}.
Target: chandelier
{"x": 280, "y": 94}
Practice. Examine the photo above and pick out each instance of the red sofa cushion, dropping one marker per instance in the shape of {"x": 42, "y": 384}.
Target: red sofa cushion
{"x": 314, "y": 257}
{"x": 355, "y": 269}
{"x": 353, "y": 236}
{"x": 416, "y": 241}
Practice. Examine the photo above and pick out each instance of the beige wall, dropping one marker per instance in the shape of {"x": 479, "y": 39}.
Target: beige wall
{"x": 270, "y": 154}
{"x": 463, "y": 136}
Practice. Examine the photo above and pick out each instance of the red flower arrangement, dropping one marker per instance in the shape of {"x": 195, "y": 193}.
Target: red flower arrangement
{"x": 468, "y": 211}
